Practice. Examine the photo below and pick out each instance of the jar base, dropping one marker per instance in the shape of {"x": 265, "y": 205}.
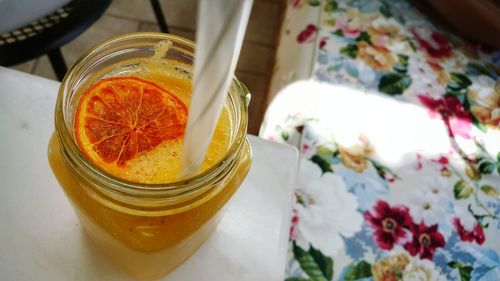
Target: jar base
{"x": 146, "y": 266}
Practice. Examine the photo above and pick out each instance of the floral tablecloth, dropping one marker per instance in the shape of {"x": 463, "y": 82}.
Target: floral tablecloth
{"x": 399, "y": 134}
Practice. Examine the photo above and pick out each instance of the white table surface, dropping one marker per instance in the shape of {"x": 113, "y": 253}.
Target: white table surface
{"x": 40, "y": 236}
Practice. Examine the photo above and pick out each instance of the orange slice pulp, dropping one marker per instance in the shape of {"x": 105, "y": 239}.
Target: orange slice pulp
{"x": 119, "y": 118}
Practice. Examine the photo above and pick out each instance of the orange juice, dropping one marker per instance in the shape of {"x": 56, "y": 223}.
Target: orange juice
{"x": 119, "y": 133}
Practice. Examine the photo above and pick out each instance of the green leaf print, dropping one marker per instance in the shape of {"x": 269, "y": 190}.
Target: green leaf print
{"x": 325, "y": 263}
{"x": 458, "y": 83}
{"x": 350, "y": 51}
{"x": 338, "y": 32}
{"x": 314, "y": 3}
{"x": 478, "y": 124}
{"x": 325, "y": 152}
{"x": 402, "y": 66}
{"x": 412, "y": 43}
{"x": 298, "y": 279}
{"x": 325, "y": 166}
{"x": 465, "y": 273}
{"x": 466, "y": 103}
{"x": 464, "y": 270}
{"x": 487, "y": 167}
{"x": 385, "y": 10}
{"x": 472, "y": 172}
{"x": 331, "y": 6}
{"x": 382, "y": 171}
{"x": 394, "y": 83}
{"x": 460, "y": 79}
{"x": 462, "y": 190}
{"x": 490, "y": 191}
{"x": 285, "y": 136}
{"x": 364, "y": 36}
{"x": 403, "y": 60}
{"x": 358, "y": 271}
{"x": 317, "y": 266}
{"x": 477, "y": 69}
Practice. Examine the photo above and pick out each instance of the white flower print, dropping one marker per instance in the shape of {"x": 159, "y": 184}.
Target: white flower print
{"x": 440, "y": 188}
{"x": 421, "y": 270}
{"x": 428, "y": 204}
{"x": 483, "y": 86}
{"x": 466, "y": 218}
{"x": 289, "y": 129}
{"x": 312, "y": 139}
{"x": 309, "y": 141}
{"x": 325, "y": 210}
{"x": 427, "y": 79}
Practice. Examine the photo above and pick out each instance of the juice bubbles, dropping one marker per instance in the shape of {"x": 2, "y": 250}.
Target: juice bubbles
{"x": 120, "y": 118}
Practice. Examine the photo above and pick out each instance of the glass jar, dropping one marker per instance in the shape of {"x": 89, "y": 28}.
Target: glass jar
{"x": 146, "y": 229}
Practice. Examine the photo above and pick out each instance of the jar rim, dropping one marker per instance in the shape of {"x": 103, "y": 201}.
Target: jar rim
{"x": 70, "y": 150}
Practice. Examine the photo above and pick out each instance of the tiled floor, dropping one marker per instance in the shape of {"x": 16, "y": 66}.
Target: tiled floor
{"x": 123, "y": 16}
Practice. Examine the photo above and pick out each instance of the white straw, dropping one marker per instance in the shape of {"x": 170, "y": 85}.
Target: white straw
{"x": 220, "y": 32}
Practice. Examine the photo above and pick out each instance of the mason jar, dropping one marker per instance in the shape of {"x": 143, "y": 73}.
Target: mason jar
{"x": 145, "y": 229}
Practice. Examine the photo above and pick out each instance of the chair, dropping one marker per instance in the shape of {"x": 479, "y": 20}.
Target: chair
{"x": 48, "y": 34}
{"x": 160, "y": 18}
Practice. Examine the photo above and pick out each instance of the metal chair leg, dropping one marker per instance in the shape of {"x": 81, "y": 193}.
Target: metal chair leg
{"x": 58, "y": 64}
{"x": 160, "y": 18}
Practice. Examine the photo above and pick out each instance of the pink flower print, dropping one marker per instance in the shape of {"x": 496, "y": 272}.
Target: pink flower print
{"x": 271, "y": 138}
{"x": 426, "y": 239}
{"x": 389, "y": 223}
{"x": 308, "y": 35}
{"x": 419, "y": 163}
{"x": 433, "y": 43}
{"x": 443, "y": 161}
{"x": 293, "y": 228}
{"x": 322, "y": 43}
{"x": 450, "y": 110}
{"x": 348, "y": 31}
{"x": 469, "y": 235}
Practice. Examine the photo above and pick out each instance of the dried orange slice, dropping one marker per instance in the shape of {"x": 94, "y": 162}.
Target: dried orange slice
{"x": 118, "y": 118}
